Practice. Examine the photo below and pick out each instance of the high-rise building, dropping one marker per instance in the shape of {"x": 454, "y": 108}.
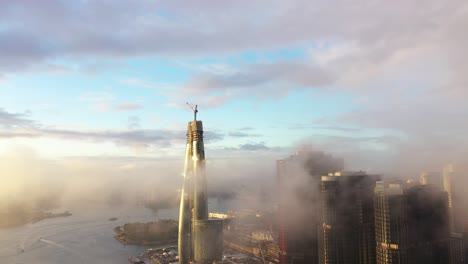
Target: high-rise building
{"x": 454, "y": 189}
{"x": 298, "y": 182}
{"x": 200, "y": 238}
{"x": 390, "y": 223}
{"x": 412, "y": 225}
{"x": 346, "y": 230}
{"x": 456, "y": 214}
{"x": 448, "y": 172}
{"x": 456, "y": 249}
{"x": 427, "y": 221}
{"x": 431, "y": 178}
{"x": 465, "y": 243}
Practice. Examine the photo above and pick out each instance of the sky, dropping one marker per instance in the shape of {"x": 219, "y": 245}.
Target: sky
{"x": 381, "y": 83}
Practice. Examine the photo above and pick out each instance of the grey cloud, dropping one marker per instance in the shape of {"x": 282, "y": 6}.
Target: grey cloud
{"x": 361, "y": 48}
{"x": 237, "y": 134}
{"x": 240, "y": 134}
{"x": 134, "y": 137}
{"x": 278, "y": 74}
{"x": 54, "y": 28}
{"x": 312, "y": 127}
{"x": 249, "y": 147}
{"x": 15, "y": 126}
{"x": 210, "y": 136}
{"x": 18, "y": 50}
{"x": 254, "y": 146}
{"x": 14, "y": 120}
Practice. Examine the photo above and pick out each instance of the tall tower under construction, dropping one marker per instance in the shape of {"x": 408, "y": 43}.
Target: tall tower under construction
{"x": 200, "y": 238}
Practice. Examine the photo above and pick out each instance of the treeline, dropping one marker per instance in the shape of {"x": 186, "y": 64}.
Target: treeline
{"x": 161, "y": 231}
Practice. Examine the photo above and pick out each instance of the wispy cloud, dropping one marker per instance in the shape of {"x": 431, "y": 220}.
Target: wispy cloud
{"x": 240, "y": 134}
{"x": 118, "y": 107}
{"x": 15, "y": 120}
{"x": 274, "y": 77}
{"x": 16, "y": 126}
{"x": 104, "y": 101}
{"x": 254, "y": 146}
{"x": 312, "y": 126}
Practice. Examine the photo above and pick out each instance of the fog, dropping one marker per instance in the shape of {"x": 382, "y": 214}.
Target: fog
{"x": 45, "y": 183}
{"x": 82, "y": 182}
{"x": 90, "y": 187}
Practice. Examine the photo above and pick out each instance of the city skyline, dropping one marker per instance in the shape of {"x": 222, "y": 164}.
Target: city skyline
{"x": 334, "y": 131}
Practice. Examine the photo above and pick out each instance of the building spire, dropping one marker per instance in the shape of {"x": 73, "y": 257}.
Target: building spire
{"x": 194, "y": 109}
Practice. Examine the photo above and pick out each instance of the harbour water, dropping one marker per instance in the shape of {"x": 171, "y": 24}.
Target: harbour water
{"x": 84, "y": 237}
{"x": 87, "y": 235}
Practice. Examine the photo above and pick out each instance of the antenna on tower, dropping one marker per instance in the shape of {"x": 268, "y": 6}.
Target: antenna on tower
{"x": 194, "y": 109}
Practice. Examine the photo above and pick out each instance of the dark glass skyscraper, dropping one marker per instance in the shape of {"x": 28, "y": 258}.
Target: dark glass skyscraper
{"x": 412, "y": 224}
{"x": 427, "y": 216}
{"x": 390, "y": 223}
{"x": 465, "y": 243}
{"x": 298, "y": 181}
{"x": 346, "y": 230}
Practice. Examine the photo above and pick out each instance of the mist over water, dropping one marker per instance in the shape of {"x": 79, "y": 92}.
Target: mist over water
{"x": 84, "y": 237}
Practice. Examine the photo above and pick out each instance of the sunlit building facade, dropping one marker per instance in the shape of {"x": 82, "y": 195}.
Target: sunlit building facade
{"x": 200, "y": 238}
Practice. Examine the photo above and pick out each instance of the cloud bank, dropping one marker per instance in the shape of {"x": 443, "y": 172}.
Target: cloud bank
{"x": 403, "y": 63}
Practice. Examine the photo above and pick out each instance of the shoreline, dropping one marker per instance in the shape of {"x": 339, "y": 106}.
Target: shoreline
{"x": 121, "y": 237}
{"x": 39, "y": 216}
